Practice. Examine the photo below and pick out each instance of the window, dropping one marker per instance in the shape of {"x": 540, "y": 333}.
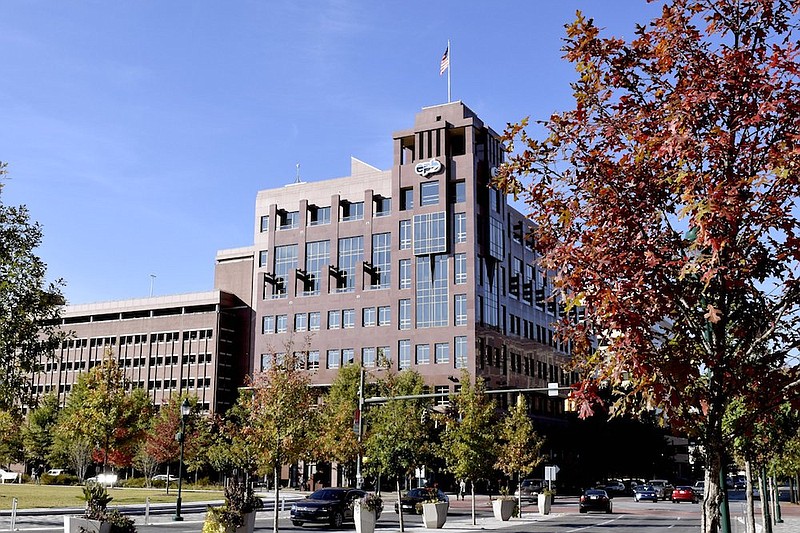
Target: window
{"x": 405, "y": 314}
{"x": 460, "y": 268}
{"x": 300, "y": 322}
{"x": 313, "y": 360}
{"x": 494, "y": 200}
{"x": 317, "y": 260}
{"x": 461, "y": 352}
{"x": 405, "y": 234}
{"x": 262, "y": 258}
{"x": 430, "y": 233}
{"x": 432, "y": 292}
{"x": 348, "y": 356}
{"x": 285, "y": 263}
{"x": 264, "y": 223}
{"x": 281, "y": 323}
{"x": 496, "y": 244}
{"x": 384, "y": 355}
{"x": 268, "y": 325}
{"x": 334, "y": 319}
{"x": 352, "y": 210}
{"x": 351, "y": 253}
{"x": 460, "y": 309}
{"x": 348, "y": 318}
{"x": 368, "y": 357}
{"x": 404, "y": 354}
{"x": 383, "y": 206}
{"x": 384, "y": 315}
{"x": 319, "y": 215}
{"x": 334, "y": 359}
{"x": 288, "y": 219}
{"x": 405, "y": 273}
{"x": 313, "y": 321}
{"x": 423, "y": 354}
{"x": 381, "y": 260}
{"x": 429, "y": 193}
{"x": 368, "y": 317}
{"x": 407, "y": 199}
{"x": 442, "y": 352}
{"x": 460, "y": 227}
{"x": 459, "y": 192}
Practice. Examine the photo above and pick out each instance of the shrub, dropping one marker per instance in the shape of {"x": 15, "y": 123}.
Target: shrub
{"x": 133, "y": 483}
{"x": 119, "y": 522}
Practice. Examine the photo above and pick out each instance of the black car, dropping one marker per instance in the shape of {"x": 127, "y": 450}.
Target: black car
{"x": 422, "y": 494}
{"x": 595, "y": 500}
{"x": 333, "y": 506}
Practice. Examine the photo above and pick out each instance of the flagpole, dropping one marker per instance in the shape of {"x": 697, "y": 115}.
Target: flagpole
{"x": 449, "y": 64}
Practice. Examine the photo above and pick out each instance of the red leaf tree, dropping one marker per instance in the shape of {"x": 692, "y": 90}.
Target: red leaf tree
{"x": 665, "y": 201}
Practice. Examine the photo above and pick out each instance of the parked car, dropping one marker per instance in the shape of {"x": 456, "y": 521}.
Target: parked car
{"x": 332, "y": 506}
{"x": 700, "y": 487}
{"x": 5, "y": 475}
{"x": 102, "y": 479}
{"x": 530, "y": 489}
{"x": 663, "y": 488}
{"x": 165, "y": 477}
{"x": 410, "y": 500}
{"x": 684, "y": 493}
{"x": 615, "y": 487}
{"x": 56, "y": 471}
{"x": 595, "y": 500}
{"x": 645, "y": 492}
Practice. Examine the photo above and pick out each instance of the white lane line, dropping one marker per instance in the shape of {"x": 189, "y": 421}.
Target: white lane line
{"x": 596, "y": 525}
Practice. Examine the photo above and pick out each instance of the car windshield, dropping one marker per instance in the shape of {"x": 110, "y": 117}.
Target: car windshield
{"x": 644, "y": 487}
{"x": 595, "y": 493}
{"x": 417, "y": 493}
{"x": 326, "y": 495}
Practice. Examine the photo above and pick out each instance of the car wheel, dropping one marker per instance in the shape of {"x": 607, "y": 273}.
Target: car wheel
{"x": 608, "y": 511}
{"x": 297, "y": 523}
{"x": 582, "y": 510}
{"x": 337, "y": 519}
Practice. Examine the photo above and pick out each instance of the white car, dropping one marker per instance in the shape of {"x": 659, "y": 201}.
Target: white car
{"x": 6, "y": 475}
{"x": 55, "y": 471}
{"x": 103, "y": 479}
{"x": 165, "y": 477}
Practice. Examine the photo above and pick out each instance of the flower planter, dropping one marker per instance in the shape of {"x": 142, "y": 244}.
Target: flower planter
{"x": 434, "y": 515}
{"x": 249, "y": 523}
{"x": 545, "y": 500}
{"x": 503, "y": 508}
{"x": 364, "y": 519}
{"x": 74, "y": 524}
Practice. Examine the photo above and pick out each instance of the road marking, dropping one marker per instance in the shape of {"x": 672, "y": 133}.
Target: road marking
{"x": 673, "y": 525}
{"x": 596, "y": 525}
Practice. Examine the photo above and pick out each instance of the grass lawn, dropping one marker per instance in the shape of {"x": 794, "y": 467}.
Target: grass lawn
{"x": 32, "y": 496}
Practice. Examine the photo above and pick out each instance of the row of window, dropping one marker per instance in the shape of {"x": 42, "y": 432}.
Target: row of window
{"x": 142, "y": 338}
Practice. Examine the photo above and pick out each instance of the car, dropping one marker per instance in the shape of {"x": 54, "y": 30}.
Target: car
{"x": 700, "y": 487}
{"x": 615, "y": 486}
{"x": 595, "y": 500}
{"x": 529, "y": 489}
{"x": 684, "y": 493}
{"x": 645, "y": 492}
{"x": 414, "y": 496}
{"x": 332, "y": 506}
{"x": 165, "y": 477}
{"x": 663, "y": 488}
{"x": 102, "y": 479}
{"x": 6, "y": 475}
{"x": 56, "y": 471}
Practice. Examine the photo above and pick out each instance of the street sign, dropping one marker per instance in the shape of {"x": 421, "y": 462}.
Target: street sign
{"x": 550, "y": 473}
{"x": 552, "y": 389}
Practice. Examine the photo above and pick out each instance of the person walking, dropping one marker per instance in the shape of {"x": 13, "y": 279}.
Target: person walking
{"x": 462, "y": 488}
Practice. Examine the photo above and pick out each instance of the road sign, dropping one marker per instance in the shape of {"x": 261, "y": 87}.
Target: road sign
{"x": 552, "y": 389}
{"x": 550, "y": 473}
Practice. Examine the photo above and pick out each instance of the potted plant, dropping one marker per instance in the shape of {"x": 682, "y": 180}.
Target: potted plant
{"x": 504, "y": 506}
{"x": 97, "y": 518}
{"x": 545, "y": 500}
{"x": 366, "y": 512}
{"x": 434, "y": 509}
{"x": 238, "y": 514}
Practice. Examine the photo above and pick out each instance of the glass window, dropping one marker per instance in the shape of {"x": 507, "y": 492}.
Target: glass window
{"x": 423, "y": 354}
{"x": 461, "y": 352}
{"x": 460, "y": 227}
{"x": 496, "y": 242}
{"x": 384, "y": 355}
{"x": 313, "y": 360}
{"x": 262, "y": 258}
{"x": 334, "y": 319}
{"x": 432, "y": 292}
{"x": 313, "y": 321}
{"x": 381, "y": 260}
{"x": 319, "y": 215}
{"x": 404, "y": 354}
{"x": 405, "y": 314}
{"x": 334, "y": 358}
{"x": 384, "y": 315}
{"x": 460, "y": 268}
{"x": 300, "y": 322}
{"x": 405, "y": 273}
{"x": 461, "y": 309}
{"x": 268, "y": 324}
{"x": 405, "y": 234}
{"x": 281, "y": 323}
{"x": 264, "y": 223}
{"x": 430, "y": 233}
{"x": 368, "y": 317}
{"x": 285, "y": 263}
{"x": 266, "y": 361}
{"x": 317, "y": 261}
{"x": 429, "y": 193}
{"x": 407, "y": 199}
{"x": 383, "y": 206}
{"x": 368, "y": 357}
{"x": 352, "y": 211}
{"x": 351, "y": 253}
{"x": 289, "y": 219}
{"x": 348, "y": 318}
{"x": 460, "y": 192}
{"x": 348, "y": 356}
{"x": 442, "y": 353}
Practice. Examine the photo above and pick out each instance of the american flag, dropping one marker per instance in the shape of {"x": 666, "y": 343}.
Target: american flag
{"x": 445, "y": 60}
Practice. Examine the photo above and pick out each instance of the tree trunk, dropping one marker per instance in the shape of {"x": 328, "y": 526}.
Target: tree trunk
{"x": 519, "y": 490}
{"x": 399, "y": 504}
{"x": 710, "y": 521}
{"x": 766, "y": 521}
{"x": 276, "y": 475}
{"x": 750, "y": 515}
{"x": 167, "y": 479}
{"x": 472, "y": 491}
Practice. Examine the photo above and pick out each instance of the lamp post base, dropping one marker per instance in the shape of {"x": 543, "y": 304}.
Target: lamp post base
{"x": 177, "y": 517}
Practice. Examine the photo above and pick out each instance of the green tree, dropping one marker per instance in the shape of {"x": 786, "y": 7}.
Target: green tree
{"x": 145, "y": 463}
{"x": 664, "y": 203}
{"x": 336, "y": 440}
{"x": 37, "y": 433}
{"x": 520, "y": 447}
{"x": 29, "y": 306}
{"x": 11, "y": 449}
{"x": 279, "y": 416}
{"x": 397, "y": 439}
{"x": 469, "y": 443}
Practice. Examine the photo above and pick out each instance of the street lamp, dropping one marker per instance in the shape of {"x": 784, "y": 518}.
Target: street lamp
{"x": 180, "y": 436}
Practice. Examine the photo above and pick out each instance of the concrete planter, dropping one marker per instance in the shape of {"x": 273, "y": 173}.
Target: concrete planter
{"x": 364, "y": 519}
{"x": 434, "y": 515}
{"x": 249, "y": 523}
{"x": 503, "y": 509}
{"x": 545, "y": 500}
{"x": 74, "y": 524}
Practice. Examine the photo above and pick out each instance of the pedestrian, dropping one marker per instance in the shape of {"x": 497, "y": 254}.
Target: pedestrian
{"x": 37, "y": 474}
{"x": 462, "y": 488}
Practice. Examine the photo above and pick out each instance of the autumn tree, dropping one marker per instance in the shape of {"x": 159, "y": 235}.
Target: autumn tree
{"x": 160, "y": 441}
{"x": 336, "y": 440}
{"x": 665, "y": 204}
{"x": 29, "y": 305}
{"x": 469, "y": 443}
{"x": 11, "y": 449}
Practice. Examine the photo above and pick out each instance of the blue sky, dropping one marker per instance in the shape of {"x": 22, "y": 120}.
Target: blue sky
{"x": 138, "y": 133}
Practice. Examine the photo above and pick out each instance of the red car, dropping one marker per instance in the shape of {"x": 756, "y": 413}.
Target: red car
{"x": 684, "y": 494}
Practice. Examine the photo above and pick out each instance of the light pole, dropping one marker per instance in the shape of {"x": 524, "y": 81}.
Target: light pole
{"x": 359, "y": 477}
{"x": 180, "y": 437}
